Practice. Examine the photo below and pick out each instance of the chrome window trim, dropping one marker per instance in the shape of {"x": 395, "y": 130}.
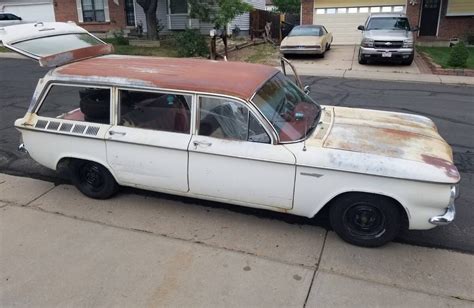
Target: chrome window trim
{"x": 49, "y": 85}
{"x": 250, "y": 108}
{"x": 81, "y": 82}
{"x": 125, "y": 88}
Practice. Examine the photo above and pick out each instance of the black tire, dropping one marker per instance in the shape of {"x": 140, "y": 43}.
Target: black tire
{"x": 409, "y": 61}
{"x": 365, "y": 219}
{"x": 92, "y": 179}
{"x": 361, "y": 59}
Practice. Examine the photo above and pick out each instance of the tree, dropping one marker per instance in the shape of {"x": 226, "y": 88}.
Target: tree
{"x": 149, "y": 6}
{"x": 218, "y": 12}
{"x": 287, "y": 6}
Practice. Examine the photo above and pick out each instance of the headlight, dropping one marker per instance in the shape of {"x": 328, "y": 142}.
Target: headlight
{"x": 367, "y": 42}
{"x": 407, "y": 43}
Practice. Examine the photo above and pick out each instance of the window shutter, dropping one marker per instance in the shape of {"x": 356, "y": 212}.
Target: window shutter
{"x": 80, "y": 17}
{"x": 106, "y": 10}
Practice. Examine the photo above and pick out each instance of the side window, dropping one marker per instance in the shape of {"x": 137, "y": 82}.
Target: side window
{"x": 77, "y": 103}
{"x": 154, "y": 110}
{"x": 226, "y": 119}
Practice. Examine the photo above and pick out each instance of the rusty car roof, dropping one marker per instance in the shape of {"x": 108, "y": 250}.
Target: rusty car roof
{"x": 230, "y": 78}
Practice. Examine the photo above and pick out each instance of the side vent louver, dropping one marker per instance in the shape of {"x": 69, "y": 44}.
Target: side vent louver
{"x": 65, "y": 127}
{"x": 92, "y": 130}
{"x": 68, "y": 127}
{"x": 53, "y": 125}
{"x": 78, "y": 128}
{"x": 41, "y": 124}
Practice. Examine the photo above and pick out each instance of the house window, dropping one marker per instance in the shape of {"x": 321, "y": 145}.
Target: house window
{"x": 178, "y": 6}
{"x": 93, "y": 10}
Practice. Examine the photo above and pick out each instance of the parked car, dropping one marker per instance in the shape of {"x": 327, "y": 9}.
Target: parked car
{"x": 7, "y": 19}
{"x": 387, "y": 37}
{"x": 231, "y": 132}
{"x": 308, "y": 39}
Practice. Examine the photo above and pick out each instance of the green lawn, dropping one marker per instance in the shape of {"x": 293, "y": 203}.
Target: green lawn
{"x": 3, "y": 49}
{"x": 440, "y": 55}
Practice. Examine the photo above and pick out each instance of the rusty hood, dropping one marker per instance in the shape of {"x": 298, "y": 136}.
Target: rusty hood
{"x": 391, "y": 135}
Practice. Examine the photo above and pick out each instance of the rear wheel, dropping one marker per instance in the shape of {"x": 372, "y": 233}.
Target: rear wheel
{"x": 93, "y": 179}
{"x": 365, "y": 219}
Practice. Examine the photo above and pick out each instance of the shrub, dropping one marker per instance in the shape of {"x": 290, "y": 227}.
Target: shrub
{"x": 190, "y": 43}
{"x": 120, "y": 39}
{"x": 458, "y": 56}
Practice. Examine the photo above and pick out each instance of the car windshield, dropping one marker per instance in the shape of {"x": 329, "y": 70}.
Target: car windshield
{"x": 388, "y": 23}
{"x": 291, "y": 112}
{"x": 45, "y": 46}
{"x": 306, "y": 31}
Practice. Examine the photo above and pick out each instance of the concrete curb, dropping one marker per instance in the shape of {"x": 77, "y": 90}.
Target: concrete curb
{"x": 350, "y": 74}
{"x": 396, "y": 77}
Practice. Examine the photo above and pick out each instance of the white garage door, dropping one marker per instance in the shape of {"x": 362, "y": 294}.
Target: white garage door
{"x": 32, "y": 11}
{"x": 343, "y": 21}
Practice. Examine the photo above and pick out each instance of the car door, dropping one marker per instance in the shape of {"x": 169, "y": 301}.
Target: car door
{"x": 147, "y": 146}
{"x": 232, "y": 158}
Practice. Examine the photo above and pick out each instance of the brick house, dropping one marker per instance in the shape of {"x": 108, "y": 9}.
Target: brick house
{"x": 103, "y": 16}
{"x": 437, "y": 19}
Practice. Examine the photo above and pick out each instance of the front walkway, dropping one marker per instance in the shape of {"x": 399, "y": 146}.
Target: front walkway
{"x": 341, "y": 61}
{"x": 59, "y": 248}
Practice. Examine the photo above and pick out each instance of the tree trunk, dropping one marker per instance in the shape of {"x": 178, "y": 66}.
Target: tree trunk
{"x": 151, "y": 24}
{"x": 224, "y": 39}
{"x": 149, "y": 6}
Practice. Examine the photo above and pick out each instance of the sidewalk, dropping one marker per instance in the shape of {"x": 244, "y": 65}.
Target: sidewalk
{"x": 340, "y": 62}
{"x": 59, "y": 248}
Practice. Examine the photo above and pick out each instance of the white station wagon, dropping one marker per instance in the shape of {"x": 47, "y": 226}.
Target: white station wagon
{"x": 232, "y": 132}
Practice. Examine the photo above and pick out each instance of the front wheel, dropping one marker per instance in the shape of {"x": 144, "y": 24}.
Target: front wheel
{"x": 93, "y": 179}
{"x": 361, "y": 59}
{"x": 365, "y": 219}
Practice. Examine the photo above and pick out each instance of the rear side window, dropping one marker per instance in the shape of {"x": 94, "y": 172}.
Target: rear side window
{"x": 77, "y": 104}
{"x": 156, "y": 111}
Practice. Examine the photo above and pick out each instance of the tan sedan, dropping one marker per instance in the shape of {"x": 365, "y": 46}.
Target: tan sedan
{"x": 310, "y": 39}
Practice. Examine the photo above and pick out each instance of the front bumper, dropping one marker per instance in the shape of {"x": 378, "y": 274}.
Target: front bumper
{"x": 301, "y": 51}
{"x": 447, "y": 217}
{"x": 378, "y": 53}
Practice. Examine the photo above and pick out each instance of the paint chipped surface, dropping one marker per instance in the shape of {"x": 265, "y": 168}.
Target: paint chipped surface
{"x": 75, "y": 55}
{"x": 228, "y": 78}
{"x": 388, "y": 134}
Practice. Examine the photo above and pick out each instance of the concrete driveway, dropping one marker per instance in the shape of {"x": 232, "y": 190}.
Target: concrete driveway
{"x": 341, "y": 59}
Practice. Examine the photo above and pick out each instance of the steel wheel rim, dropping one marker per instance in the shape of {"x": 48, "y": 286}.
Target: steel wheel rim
{"x": 364, "y": 220}
{"x": 91, "y": 176}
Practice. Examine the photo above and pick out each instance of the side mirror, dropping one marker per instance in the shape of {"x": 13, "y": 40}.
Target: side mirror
{"x": 306, "y": 90}
{"x": 415, "y": 29}
{"x": 362, "y": 28}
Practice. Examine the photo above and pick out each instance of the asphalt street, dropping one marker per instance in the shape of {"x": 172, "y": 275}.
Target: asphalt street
{"x": 451, "y": 107}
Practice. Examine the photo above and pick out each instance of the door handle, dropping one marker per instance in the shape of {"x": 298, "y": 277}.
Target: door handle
{"x": 202, "y": 143}
{"x": 111, "y": 133}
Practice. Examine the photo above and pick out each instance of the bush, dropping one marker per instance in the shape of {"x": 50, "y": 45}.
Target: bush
{"x": 120, "y": 39}
{"x": 190, "y": 43}
{"x": 458, "y": 56}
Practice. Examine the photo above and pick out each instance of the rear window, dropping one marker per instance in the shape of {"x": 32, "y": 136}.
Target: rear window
{"x": 77, "y": 104}
{"x": 306, "y": 31}
{"x": 50, "y": 45}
